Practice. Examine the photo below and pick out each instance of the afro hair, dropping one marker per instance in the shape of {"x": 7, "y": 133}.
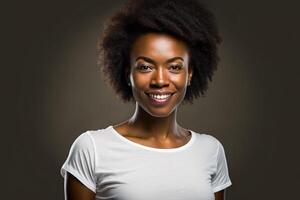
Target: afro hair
{"x": 187, "y": 20}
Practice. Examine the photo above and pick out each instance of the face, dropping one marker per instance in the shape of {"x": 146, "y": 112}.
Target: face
{"x": 159, "y": 73}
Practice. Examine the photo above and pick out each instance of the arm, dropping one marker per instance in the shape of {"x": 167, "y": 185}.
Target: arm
{"x": 220, "y": 195}
{"x": 75, "y": 190}
{"x": 78, "y": 170}
{"x": 220, "y": 179}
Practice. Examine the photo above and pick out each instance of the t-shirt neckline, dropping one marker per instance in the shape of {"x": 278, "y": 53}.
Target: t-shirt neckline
{"x": 176, "y": 149}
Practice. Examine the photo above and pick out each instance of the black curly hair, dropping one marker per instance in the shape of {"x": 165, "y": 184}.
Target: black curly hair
{"x": 187, "y": 20}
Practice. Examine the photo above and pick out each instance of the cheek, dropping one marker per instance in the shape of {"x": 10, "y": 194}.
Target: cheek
{"x": 179, "y": 81}
{"x": 140, "y": 81}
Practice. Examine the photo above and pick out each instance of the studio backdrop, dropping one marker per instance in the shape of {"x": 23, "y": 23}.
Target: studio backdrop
{"x": 54, "y": 91}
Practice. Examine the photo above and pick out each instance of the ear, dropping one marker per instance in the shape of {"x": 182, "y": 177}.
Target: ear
{"x": 190, "y": 75}
{"x": 127, "y": 74}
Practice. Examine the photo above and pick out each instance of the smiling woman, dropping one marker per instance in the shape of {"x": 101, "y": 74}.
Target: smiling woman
{"x": 157, "y": 54}
{"x": 159, "y": 73}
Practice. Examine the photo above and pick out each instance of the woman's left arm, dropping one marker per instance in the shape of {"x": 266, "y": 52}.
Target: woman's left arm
{"x": 220, "y": 195}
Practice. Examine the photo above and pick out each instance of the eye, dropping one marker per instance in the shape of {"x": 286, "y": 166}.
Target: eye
{"x": 144, "y": 67}
{"x": 176, "y": 67}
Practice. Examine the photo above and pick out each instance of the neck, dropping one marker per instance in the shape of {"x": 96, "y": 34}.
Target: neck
{"x": 152, "y": 126}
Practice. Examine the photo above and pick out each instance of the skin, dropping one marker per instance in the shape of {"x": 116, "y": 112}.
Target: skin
{"x": 158, "y": 62}
{"x": 75, "y": 190}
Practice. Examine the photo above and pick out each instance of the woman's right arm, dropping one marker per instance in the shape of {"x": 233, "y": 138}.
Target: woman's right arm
{"x": 75, "y": 190}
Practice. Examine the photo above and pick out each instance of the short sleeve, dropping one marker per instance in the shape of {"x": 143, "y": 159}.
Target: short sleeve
{"x": 220, "y": 179}
{"x": 81, "y": 161}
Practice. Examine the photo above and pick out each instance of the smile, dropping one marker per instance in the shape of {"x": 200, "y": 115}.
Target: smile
{"x": 159, "y": 99}
{"x": 159, "y": 96}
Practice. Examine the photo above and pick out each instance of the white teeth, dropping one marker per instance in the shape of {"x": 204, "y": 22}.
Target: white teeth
{"x": 157, "y": 96}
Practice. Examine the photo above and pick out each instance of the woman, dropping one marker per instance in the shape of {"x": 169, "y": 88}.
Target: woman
{"x": 157, "y": 54}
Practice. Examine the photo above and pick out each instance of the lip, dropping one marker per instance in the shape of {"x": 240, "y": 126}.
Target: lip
{"x": 159, "y": 102}
{"x": 159, "y": 92}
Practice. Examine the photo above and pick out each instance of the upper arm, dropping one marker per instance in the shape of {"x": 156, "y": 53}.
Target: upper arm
{"x": 79, "y": 170}
{"x": 220, "y": 195}
{"x": 220, "y": 178}
{"x": 75, "y": 190}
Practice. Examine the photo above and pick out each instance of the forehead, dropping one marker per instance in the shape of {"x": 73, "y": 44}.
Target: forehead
{"x": 159, "y": 47}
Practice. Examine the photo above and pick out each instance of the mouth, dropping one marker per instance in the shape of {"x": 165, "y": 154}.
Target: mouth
{"x": 159, "y": 99}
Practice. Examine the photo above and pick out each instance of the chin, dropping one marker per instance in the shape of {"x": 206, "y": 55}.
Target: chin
{"x": 161, "y": 115}
{"x": 158, "y": 110}
{"x": 162, "y": 112}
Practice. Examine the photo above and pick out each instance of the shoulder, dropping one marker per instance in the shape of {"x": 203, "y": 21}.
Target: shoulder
{"x": 99, "y": 138}
{"x": 101, "y": 134}
{"x": 207, "y": 138}
{"x": 83, "y": 141}
{"x": 207, "y": 141}
{"x": 94, "y": 138}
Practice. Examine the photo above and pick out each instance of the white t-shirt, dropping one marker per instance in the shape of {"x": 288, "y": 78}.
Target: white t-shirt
{"x": 117, "y": 168}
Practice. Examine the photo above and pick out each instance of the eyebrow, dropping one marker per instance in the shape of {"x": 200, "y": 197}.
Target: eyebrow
{"x": 153, "y": 62}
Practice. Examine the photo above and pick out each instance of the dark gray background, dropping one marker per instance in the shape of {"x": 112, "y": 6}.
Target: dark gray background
{"x": 53, "y": 91}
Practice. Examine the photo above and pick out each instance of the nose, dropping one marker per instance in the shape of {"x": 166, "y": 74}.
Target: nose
{"x": 159, "y": 78}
